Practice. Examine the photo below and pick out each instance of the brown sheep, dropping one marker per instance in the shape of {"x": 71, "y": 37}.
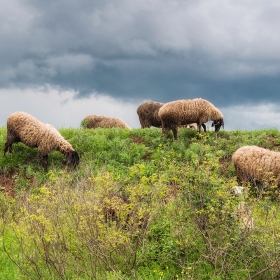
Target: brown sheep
{"x": 183, "y": 112}
{"x": 256, "y": 164}
{"x": 94, "y": 121}
{"x": 22, "y": 127}
{"x": 148, "y": 114}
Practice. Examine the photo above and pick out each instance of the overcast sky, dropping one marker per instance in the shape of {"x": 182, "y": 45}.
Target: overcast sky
{"x": 61, "y": 60}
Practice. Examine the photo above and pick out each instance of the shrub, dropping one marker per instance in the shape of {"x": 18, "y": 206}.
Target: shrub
{"x": 138, "y": 207}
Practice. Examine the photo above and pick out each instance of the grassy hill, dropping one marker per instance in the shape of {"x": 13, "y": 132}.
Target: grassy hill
{"x": 139, "y": 206}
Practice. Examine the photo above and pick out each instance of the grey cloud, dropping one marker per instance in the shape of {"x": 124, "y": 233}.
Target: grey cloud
{"x": 225, "y": 51}
{"x": 251, "y": 116}
{"x": 70, "y": 63}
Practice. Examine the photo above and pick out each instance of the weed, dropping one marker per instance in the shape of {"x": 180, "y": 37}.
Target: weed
{"x": 139, "y": 206}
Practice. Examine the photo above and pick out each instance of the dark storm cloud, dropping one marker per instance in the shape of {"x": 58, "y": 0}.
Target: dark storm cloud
{"x": 224, "y": 51}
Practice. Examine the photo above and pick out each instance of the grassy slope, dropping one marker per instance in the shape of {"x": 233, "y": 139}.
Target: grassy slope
{"x": 142, "y": 158}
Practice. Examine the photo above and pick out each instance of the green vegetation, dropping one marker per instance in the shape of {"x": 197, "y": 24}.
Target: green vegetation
{"x": 139, "y": 206}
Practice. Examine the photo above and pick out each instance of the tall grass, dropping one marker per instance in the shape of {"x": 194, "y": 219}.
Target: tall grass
{"x": 139, "y": 206}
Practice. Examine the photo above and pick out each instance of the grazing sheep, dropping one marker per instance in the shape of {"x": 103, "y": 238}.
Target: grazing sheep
{"x": 148, "y": 114}
{"x": 257, "y": 165}
{"x": 182, "y": 112}
{"x": 22, "y": 127}
{"x": 94, "y": 121}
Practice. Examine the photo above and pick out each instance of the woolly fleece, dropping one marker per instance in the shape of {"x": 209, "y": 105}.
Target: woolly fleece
{"x": 94, "y": 121}
{"x": 24, "y": 128}
{"x": 183, "y": 112}
{"x": 256, "y": 163}
{"x": 148, "y": 114}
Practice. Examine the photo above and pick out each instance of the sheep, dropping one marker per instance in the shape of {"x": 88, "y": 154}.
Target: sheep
{"x": 182, "y": 112}
{"x": 94, "y": 121}
{"x": 22, "y": 127}
{"x": 148, "y": 114}
{"x": 257, "y": 165}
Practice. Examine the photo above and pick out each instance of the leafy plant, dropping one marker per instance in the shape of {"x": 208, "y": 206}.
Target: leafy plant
{"x": 139, "y": 206}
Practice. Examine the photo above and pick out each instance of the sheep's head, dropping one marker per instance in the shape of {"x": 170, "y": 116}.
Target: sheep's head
{"x": 72, "y": 158}
{"x": 218, "y": 124}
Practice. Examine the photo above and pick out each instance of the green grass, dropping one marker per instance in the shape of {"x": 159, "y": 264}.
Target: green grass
{"x": 8, "y": 269}
{"x": 179, "y": 220}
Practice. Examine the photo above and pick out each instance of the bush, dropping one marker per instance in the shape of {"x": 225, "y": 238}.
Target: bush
{"x": 138, "y": 206}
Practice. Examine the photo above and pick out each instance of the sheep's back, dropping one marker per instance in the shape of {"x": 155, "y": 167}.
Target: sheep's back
{"x": 183, "y": 111}
{"x": 26, "y": 127}
{"x": 53, "y": 140}
{"x": 113, "y": 122}
{"x": 94, "y": 121}
{"x": 256, "y": 162}
{"x": 149, "y": 108}
{"x": 188, "y": 111}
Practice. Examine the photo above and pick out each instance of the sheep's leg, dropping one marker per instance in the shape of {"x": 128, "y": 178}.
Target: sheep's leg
{"x": 204, "y": 127}
{"x": 8, "y": 146}
{"x": 164, "y": 129}
{"x": 175, "y": 132}
{"x": 10, "y": 140}
{"x": 44, "y": 162}
{"x": 240, "y": 176}
{"x": 199, "y": 127}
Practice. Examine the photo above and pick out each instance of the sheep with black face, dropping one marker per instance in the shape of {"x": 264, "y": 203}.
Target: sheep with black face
{"x": 187, "y": 111}
{"x": 22, "y": 127}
